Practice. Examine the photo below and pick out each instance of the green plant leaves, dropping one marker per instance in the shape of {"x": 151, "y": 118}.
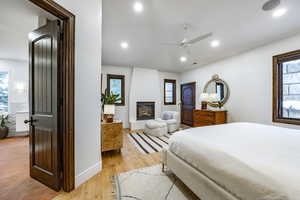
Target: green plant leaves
{"x": 110, "y": 98}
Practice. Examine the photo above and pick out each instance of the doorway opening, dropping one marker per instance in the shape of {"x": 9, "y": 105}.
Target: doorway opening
{"x": 188, "y": 99}
{"x": 36, "y": 98}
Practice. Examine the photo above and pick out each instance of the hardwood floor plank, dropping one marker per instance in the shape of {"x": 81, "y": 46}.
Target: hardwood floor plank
{"x": 100, "y": 186}
{"x": 15, "y": 182}
{"x": 17, "y": 185}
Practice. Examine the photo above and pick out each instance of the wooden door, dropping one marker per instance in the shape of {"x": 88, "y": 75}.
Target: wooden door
{"x": 45, "y": 137}
{"x": 187, "y": 103}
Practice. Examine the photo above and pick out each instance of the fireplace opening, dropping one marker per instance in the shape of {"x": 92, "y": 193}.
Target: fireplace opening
{"x": 145, "y": 110}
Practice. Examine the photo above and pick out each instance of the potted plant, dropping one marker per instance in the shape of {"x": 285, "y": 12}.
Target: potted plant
{"x": 3, "y": 126}
{"x": 108, "y": 101}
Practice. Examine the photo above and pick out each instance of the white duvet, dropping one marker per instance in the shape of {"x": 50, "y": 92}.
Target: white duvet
{"x": 251, "y": 161}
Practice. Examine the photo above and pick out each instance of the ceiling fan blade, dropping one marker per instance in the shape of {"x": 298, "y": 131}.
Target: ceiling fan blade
{"x": 197, "y": 39}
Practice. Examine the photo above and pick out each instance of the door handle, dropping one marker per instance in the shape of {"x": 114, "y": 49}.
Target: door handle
{"x": 30, "y": 121}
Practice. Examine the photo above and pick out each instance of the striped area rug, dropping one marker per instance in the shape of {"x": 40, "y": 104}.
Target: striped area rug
{"x": 147, "y": 143}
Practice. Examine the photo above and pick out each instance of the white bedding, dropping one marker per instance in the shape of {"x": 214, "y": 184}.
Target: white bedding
{"x": 252, "y": 161}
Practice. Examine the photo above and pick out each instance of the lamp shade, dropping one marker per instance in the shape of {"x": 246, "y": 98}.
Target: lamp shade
{"x": 213, "y": 97}
{"x": 204, "y": 97}
{"x": 109, "y": 109}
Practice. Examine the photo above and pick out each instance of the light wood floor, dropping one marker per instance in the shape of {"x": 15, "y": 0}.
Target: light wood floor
{"x": 15, "y": 182}
{"x": 99, "y": 187}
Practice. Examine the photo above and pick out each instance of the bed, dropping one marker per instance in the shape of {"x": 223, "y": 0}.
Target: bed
{"x": 237, "y": 161}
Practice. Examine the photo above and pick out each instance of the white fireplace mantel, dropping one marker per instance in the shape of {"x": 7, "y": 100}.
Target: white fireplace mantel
{"x": 144, "y": 87}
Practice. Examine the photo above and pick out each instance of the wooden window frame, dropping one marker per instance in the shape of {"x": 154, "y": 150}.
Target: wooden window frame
{"x": 122, "y": 78}
{"x": 174, "y": 91}
{"x": 68, "y": 73}
{"x": 278, "y": 89}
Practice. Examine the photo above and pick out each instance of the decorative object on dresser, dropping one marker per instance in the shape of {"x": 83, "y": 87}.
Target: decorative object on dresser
{"x": 108, "y": 101}
{"x": 209, "y": 117}
{"x": 203, "y": 100}
{"x": 111, "y": 136}
{"x": 218, "y": 90}
{"x": 109, "y": 111}
{"x": 206, "y": 98}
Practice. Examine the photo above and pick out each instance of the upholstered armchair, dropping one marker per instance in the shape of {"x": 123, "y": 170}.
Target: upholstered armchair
{"x": 172, "y": 119}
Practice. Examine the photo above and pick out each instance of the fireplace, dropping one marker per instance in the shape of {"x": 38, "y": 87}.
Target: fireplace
{"x": 145, "y": 110}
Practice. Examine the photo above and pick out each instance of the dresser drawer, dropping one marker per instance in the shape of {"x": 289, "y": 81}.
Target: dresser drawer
{"x": 112, "y": 136}
{"x": 208, "y": 117}
{"x": 205, "y": 113}
{"x": 205, "y": 116}
{"x": 198, "y": 124}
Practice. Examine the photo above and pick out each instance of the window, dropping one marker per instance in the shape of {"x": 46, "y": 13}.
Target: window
{"x": 116, "y": 85}
{"x": 169, "y": 92}
{"x": 3, "y": 91}
{"x": 286, "y": 88}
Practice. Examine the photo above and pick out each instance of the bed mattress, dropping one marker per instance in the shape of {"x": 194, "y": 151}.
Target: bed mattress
{"x": 251, "y": 161}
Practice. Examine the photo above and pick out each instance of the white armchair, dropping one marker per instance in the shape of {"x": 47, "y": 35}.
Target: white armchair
{"x": 172, "y": 119}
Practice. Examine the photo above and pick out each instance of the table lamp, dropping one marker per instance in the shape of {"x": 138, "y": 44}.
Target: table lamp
{"x": 109, "y": 111}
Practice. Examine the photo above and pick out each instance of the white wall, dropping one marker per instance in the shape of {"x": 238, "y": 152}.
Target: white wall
{"x": 18, "y": 74}
{"x": 121, "y": 111}
{"x": 87, "y": 86}
{"x": 249, "y": 77}
{"x": 17, "y": 100}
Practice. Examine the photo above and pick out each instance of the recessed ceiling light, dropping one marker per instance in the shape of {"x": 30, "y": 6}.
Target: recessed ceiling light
{"x": 124, "y": 45}
{"x": 138, "y": 7}
{"x": 215, "y": 43}
{"x": 279, "y": 12}
{"x": 183, "y": 59}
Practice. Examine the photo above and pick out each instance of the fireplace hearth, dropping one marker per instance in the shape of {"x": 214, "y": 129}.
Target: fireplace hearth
{"x": 145, "y": 110}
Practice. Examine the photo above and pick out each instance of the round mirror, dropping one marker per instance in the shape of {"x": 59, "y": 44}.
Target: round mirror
{"x": 220, "y": 88}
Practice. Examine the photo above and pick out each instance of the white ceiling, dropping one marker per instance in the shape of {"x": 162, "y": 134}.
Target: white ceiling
{"x": 17, "y": 19}
{"x": 240, "y": 25}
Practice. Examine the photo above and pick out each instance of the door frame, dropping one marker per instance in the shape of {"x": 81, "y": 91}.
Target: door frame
{"x": 68, "y": 63}
{"x": 181, "y": 99}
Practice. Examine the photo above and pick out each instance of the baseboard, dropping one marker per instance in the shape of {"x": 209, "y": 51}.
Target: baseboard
{"x": 87, "y": 174}
{"x": 18, "y": 134}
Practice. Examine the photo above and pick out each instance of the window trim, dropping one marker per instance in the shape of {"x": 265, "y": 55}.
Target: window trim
{"x": 122, "y": 78}
{"x": 278, "y": 89}
{"x": 174, "y": 91}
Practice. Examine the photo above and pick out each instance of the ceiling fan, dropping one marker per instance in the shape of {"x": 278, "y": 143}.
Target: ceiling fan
{"x": 189, "y": 42}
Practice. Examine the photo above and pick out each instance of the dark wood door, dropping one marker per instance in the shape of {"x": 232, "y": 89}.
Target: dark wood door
{"x": 45, "y": 136}
{"x": 187, "y": 103}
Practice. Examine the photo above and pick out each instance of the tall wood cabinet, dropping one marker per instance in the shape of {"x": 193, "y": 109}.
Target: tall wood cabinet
{"x": 112, "y": 136}
{"x": 209, "y": 117}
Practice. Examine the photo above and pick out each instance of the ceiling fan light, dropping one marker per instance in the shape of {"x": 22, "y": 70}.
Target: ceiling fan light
{"x": 215, "y": 43}
{"x": 279, "y": 12}
{"x": 183, "y": 59}
{"x": 124, "y": 45}
{"x": 138, "y": 7}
